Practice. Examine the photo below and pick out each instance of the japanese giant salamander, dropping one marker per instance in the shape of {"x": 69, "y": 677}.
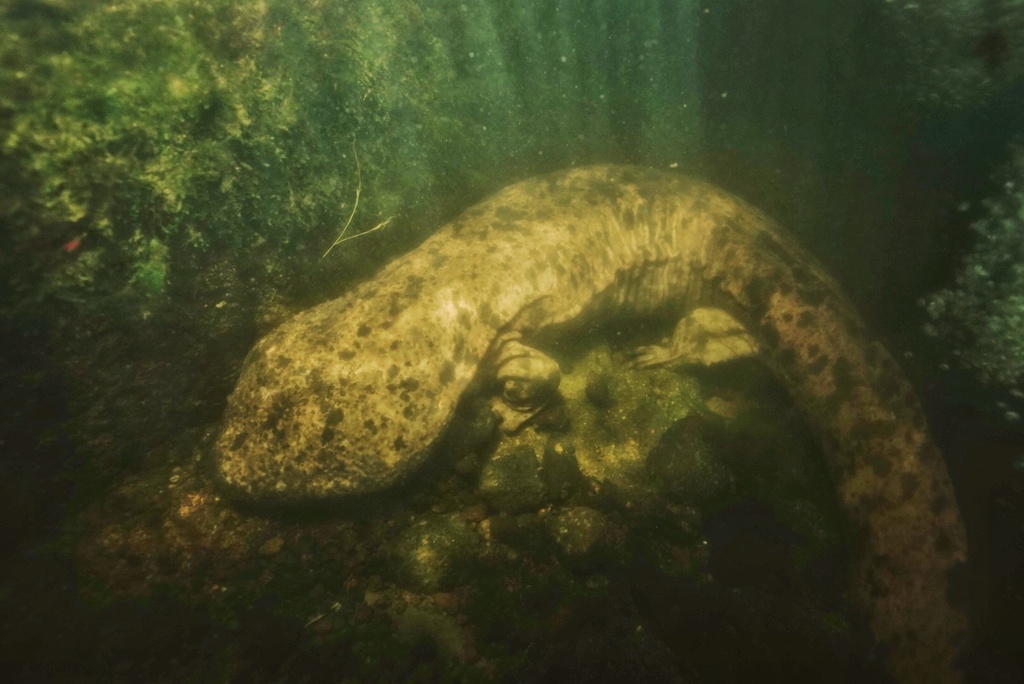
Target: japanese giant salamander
{"x": 350, "y": 396}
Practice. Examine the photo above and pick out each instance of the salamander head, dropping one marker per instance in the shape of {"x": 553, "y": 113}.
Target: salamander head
{"x": 338, "y": 401}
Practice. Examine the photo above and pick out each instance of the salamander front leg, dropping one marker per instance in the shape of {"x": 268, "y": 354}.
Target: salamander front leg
{"x": 705, "y": 337}
{"x": 527, "y": 381}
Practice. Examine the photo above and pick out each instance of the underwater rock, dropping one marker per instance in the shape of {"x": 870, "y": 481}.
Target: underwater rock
{"x": 471, "y": 431}
{"x": 599, "y": 391}
{"x": 687, "y": 465}
{"x": 422, "y": 620}
{"x": 560, "y": 470}
{"x": 525, "y": 532}
{"x": 271, "y": 547}
{"x": 510, "y": 480}
{"x": 578, "y": 530}
{"x": 434, "y": 553}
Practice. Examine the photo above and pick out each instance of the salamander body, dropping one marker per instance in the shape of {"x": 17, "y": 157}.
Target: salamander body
{"x": 350, "y": 396}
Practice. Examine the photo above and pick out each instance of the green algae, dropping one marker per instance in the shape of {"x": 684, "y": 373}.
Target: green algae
{"x": 227, "y": 124}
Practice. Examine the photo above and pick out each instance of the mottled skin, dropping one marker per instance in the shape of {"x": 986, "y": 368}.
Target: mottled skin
{"x": 350, "y": 396}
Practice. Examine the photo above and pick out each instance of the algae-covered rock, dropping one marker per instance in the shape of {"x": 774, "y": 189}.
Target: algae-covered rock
{"x": 510, "y": 480}
{"x": 598, "y": 390}
{"x": 471, "y": 429}
{"x": 525, "y": 533}
{"x": 458, "y": 583}
{"x": 619, "y": 413}
{"x": 687, "y": 464}
{"x": 426, "y": 620}
{"x": 436, "y": 552}
{"x": 578, "y": 530}
{"x": 560, "y": 470}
